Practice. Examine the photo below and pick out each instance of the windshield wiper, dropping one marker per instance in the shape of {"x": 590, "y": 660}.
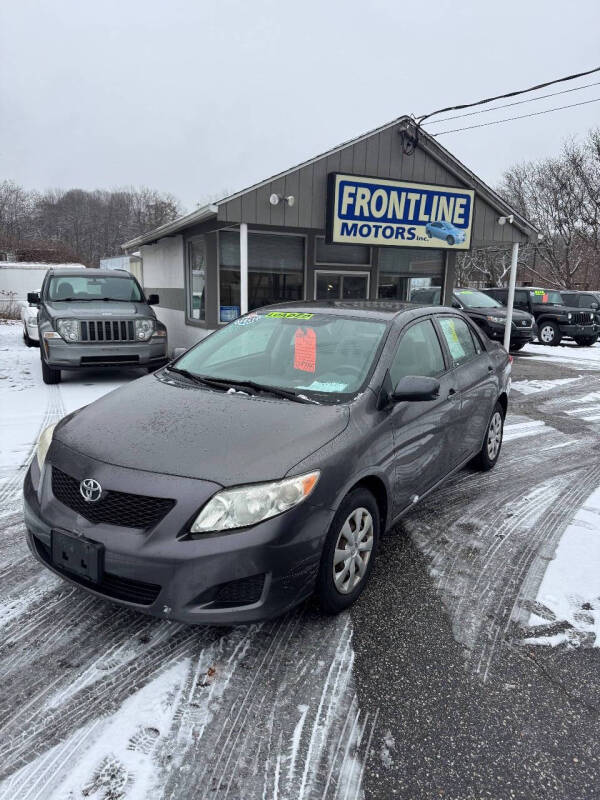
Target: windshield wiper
{"x": 117, "y": 300}
{"x": 220, "y": 383}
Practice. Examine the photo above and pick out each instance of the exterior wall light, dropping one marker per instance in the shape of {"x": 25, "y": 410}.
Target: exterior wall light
{"x": 504, "y": 220}
{"x": 275, "y": 199}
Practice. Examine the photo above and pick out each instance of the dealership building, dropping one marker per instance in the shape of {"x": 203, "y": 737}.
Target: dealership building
{"x": 373, "y": 218}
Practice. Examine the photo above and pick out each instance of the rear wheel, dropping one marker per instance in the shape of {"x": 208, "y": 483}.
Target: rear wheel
{"x": 50, "y": 375}
{"x": 488, "y": 455}
{"x": 549, "y": 333}
{"x": 349, "y": 551}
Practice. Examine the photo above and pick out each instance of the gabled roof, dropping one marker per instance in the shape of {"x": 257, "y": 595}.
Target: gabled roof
{"x": 427, "y": 142}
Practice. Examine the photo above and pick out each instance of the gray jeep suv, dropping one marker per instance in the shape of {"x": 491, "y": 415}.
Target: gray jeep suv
{"x": 96, "y": 318}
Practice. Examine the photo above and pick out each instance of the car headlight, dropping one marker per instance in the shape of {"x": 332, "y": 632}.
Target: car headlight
{"x": 69, "y": 329}
{"x": 498, "y": 320}
{"x": 44, "y": 443}
{"x": 144, "y": 328}
{"x": 569, "y": 316}
{"x": 247, "y": 505}
{"x": 32, "y": 320}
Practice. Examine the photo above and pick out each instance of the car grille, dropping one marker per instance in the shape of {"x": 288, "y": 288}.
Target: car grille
{"x": 114, "y": 508}
{"x": 581, "y": 319}
{"x": 107, "y": 330}
{"x": 111, "y": 585}
{"x": 521, "y": 323}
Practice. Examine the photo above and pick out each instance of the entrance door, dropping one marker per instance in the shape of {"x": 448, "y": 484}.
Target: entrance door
{"x": 341, "y": 285}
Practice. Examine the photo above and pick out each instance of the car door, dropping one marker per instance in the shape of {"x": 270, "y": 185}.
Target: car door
{"x": 421, "y": 430}
{"x": 475, "y": 380}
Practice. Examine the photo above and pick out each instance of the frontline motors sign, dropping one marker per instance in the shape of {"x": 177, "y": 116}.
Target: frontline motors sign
{"x": 377, "y": 211}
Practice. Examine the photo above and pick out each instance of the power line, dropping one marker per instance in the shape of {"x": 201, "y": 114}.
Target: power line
{"x": 521, "y": 116}
{"x": 516, "y": 103}
{"x": 421, "y": 119}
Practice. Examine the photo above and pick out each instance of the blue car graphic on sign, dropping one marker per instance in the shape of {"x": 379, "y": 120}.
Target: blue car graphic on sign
{"x": 446, "y": 231}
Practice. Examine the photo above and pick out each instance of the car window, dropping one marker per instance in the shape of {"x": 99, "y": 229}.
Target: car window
{"x": 586, "y": 300}
{"x": 82, "y": 287}
{"x": 458, "y": 337}
{"x": 419, "y": 353}
{"x": 520, "y": 298}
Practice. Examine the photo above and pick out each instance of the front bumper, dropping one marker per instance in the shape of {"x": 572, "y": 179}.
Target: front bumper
{"x": 279, "y": 557}
{"x": 520, "y": 335}
{"x": 76, "y": 355}
{"x": 32, "y": 332}
{"x": 579, "y": 330}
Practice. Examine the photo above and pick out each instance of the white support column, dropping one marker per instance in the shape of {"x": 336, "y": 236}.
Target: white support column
{"x": 511, "y": 295}
{"x": 244, "y": 267}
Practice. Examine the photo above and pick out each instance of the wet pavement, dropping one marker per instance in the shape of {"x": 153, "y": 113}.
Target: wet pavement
{"x": 454, "y": 677}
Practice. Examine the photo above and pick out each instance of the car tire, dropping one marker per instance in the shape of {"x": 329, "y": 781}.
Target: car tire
{"x": 358, "y": 519}
{"x": 26, "y": 338}
{"x": 517, "y": 346}
{"x": 429, "y": 234}
{"x": 549, "y": 333}
{"x": 450, "y": 239}
{"x": 492, "y": 444}
{"x": 50, "y": 375}
{"x": 586, "y": 341}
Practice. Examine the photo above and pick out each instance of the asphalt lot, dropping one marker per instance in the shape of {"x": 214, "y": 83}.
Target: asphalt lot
{"x": 468, "y": 669}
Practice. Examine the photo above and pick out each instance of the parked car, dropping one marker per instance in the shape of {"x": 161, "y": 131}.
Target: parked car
{"x": 553, "y": 317}
{"x": 446, "y": 231}
{"x": 29, "y": 315}
{"x": 96, "y": 318}
{"x": 264, "y": 463}
{"x": 589, "y": 300}
{"x": 489, "y": 314}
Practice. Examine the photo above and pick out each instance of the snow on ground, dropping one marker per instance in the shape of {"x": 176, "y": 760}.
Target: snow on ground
{"x": 570, "y": 589}
{"x": 533, "y": 386}
{"x": 568, "y": 353}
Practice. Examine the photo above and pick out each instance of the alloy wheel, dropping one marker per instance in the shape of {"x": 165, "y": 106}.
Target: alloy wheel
{"x": 353, "y": 550}
{"x": 494, "y": 438}
{"x": 547, "y": 334}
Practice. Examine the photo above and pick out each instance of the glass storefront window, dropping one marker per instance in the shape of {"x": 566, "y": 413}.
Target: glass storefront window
{"x": 402, "y": 270}
{"x": 275, "y": 271}
{"x": 341, "y": 253}
{"x": 197, "y": 278}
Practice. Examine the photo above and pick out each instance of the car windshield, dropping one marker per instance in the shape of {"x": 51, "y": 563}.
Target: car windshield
{"x": 82, "y": 287}
{"x": 428, "y": 297}
{"x": 474, "y": 299}
{"x": 547, "y": 296}
{"x": 317, "y": 355}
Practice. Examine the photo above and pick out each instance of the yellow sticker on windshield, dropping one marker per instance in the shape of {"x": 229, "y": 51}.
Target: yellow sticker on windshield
{"x": 289, "y": 315}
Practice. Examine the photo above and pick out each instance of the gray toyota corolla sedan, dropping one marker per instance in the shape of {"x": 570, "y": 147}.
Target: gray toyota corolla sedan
{"x": 264, "y": 464}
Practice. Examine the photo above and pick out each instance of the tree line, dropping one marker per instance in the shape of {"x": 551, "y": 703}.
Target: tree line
{"x": 561, "y": 197}
{"x": 75, "y": 225}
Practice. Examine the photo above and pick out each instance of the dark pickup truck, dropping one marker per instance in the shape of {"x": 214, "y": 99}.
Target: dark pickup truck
{"x": 555, "y": 319}
{"x": 96, "y": 318}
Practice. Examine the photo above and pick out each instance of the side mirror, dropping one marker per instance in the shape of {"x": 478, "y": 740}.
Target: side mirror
{"x": 594, "y": 306}
{"x": 33, "y": 298}
{"x": 153, "y": 300}
{"x": 414, "y": 387}
{"x": 178, "y": 352}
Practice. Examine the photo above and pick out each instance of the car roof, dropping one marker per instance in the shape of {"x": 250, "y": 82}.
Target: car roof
{"x": 371, "y": 309}
{"x": 91, "y": 273}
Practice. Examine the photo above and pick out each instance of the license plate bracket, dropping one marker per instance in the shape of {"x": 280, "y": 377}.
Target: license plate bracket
{"x": 77, "y": 555}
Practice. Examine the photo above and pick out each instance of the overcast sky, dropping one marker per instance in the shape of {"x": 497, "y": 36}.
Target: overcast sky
{"x": 201, "y": 98}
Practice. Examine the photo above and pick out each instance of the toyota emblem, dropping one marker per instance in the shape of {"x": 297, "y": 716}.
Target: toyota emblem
{"x": 90, "y": 490}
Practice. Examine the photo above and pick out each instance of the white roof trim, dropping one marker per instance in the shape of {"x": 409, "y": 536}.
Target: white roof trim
{"x": 169, "y": 228}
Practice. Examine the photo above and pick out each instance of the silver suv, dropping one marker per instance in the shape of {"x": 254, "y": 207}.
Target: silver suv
{"x": 96, "y": 318}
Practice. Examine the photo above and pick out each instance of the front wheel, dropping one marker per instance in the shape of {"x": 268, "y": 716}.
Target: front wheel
{"x": 26, "y": 338}
{"x": 517, "y": 346}
{"x": 549, "y": 333}
{"x": 349, "y": 551}
{"x": 450, "y": 239}
{"x": 50, "y": 375}
{"x": 586, "y": 341}
{"x": 488, "y": 455}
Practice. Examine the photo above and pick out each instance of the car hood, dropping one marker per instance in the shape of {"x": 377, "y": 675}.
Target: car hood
{"x": 178, "y": 429}
{"x": 96, "y": 309}
{"x": 498, "y": 312}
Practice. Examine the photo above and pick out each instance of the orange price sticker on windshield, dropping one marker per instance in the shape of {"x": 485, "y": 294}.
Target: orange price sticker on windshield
{"x": 305, "y": 350}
